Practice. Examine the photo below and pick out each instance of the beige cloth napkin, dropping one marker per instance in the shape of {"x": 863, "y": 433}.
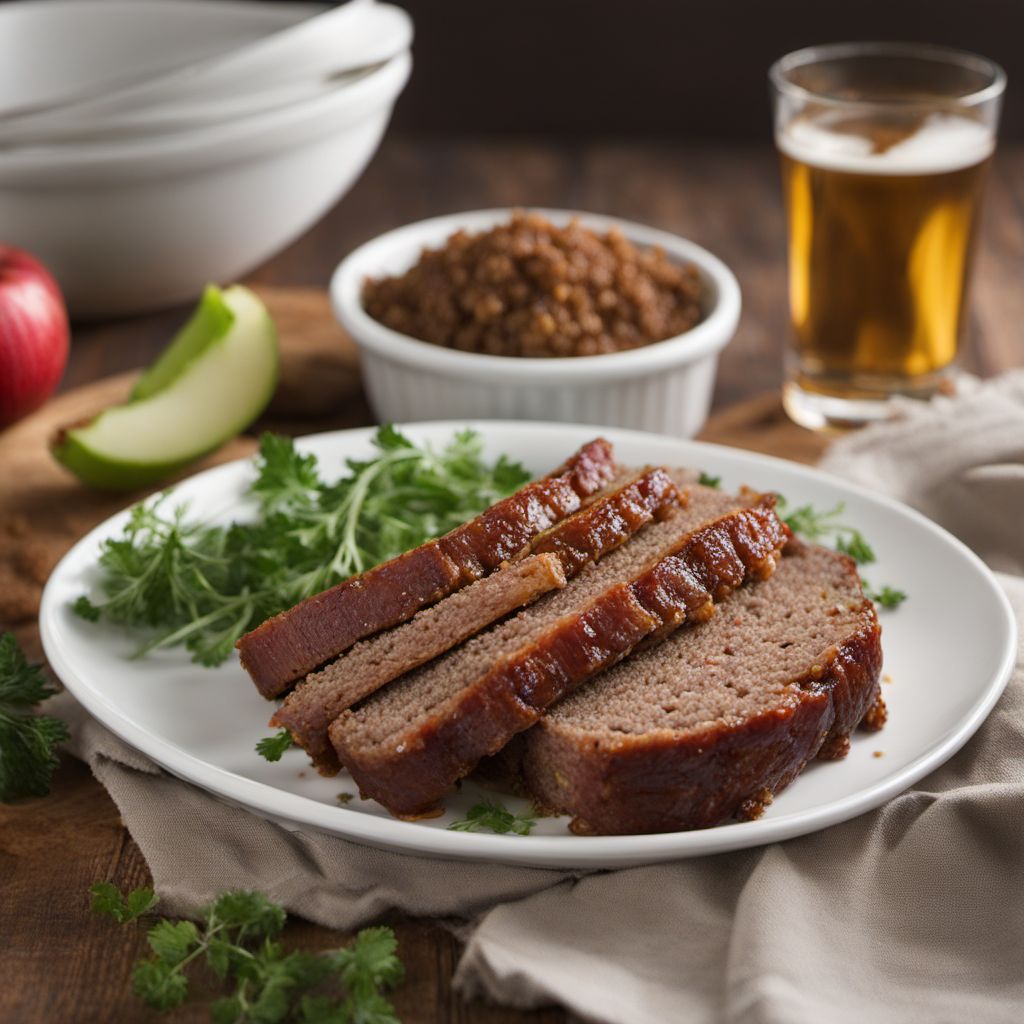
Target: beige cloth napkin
{"x": 912, "y": 913}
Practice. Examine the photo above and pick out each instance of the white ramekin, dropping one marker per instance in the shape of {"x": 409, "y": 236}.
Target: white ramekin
{"x": 664, "y": 387}
{"x": 132, "y": 225}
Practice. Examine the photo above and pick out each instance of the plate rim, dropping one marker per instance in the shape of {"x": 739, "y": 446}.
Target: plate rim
{"x": 560, "y": 852}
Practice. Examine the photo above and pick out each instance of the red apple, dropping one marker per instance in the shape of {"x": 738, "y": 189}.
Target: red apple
{"x": 33, "y": 334}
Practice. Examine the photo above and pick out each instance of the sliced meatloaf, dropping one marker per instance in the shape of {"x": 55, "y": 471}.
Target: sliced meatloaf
{"x": 408, "y": 743}
{"x": 288, "y": 646}
{"x": 309, "y": 709}
{"x": 607, "y": 522}
{"x": 557, "y": 554}
{"x": 713, "y": 721}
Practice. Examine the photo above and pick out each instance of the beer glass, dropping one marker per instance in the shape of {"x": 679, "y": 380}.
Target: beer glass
{"x": 885, "y": 148}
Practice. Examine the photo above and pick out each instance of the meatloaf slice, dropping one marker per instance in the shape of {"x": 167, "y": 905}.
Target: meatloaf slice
{"x": 288, "y": 646}
{"x": 558, "y": 553}
{"x": 713, "y": 721}
{"x": 408, "y": 743}
{"x": 364, "y": 668}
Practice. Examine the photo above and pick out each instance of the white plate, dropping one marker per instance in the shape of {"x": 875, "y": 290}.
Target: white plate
{"x": 201, "y": 724}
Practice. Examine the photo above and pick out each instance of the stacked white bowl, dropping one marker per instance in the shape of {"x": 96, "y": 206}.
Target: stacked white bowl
{"x": 150, "y": 146}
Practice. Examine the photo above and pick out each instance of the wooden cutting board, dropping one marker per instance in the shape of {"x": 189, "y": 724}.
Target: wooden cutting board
{"x": 44, "y": 510}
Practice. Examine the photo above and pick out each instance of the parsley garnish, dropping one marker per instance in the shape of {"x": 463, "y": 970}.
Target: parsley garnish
{"x": 236, "y": 938}
{"x": 491, "y": 816}
{"x": 272, "y": 747}
{"x": 816, "y": 525}
{"x": 28, "y": 741}
{"x": 182, "y": 581}
{"x": 856, "y": 547}
{"x": 707, "y": 480}
{"x": 85, "y": 609}
{"x": 887, "y": 597}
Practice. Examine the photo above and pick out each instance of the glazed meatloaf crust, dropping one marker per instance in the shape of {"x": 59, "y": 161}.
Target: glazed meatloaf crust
{"x": 407, "y": 744}
{"x": 288, "y": 646}
{"x": 715, "y": 720}
{"x": 554, "y": 556}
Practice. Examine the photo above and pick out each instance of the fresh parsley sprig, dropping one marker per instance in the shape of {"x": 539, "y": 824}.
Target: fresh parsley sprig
{"x": 28, "y": 741}
{"x": 816, "y": 525}
{"x": 179, "y": 581}
{"x": 236, "y": 939}
{"x": 887, "y": 597}
{"x": 492, "y": 816}
{"x": 272, "y": 747}
{"x": 108, "y": 899}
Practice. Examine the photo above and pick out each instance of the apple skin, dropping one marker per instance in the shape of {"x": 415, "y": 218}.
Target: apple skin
{"x": 33, "y": 334}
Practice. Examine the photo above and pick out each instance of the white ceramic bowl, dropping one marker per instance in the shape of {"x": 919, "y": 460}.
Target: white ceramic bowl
{"x": 54, "y": 51}
{"x": 147, "y": 122}
{"x": 134, "y": 225}
{"x": 665, "y": 387}
{"x": 276, "y": 69}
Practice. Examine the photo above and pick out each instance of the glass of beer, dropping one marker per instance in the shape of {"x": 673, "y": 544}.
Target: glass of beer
{"x": 885, "y": 149}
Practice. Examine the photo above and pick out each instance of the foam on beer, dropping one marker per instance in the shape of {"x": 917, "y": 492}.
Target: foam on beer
{"x": 943, "y": 143}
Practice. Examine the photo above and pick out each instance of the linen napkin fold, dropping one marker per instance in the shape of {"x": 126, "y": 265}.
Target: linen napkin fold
{"x": 959, "y": 460}
{"x": 912, "y": 913}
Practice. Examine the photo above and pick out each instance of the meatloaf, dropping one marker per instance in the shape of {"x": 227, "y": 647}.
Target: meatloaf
{"x": 714, "y": 721}
{"x": 407, "y": 744}
{"x": 288, "y": 646}
{"x": 557, "y": 554}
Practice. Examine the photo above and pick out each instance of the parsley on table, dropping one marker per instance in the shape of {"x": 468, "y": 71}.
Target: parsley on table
{"x": 272, "y": 747}
{"x": 28, "y": 741}
{"x": 180, "y": 581}
{"x": 491, "y": 816}
{"x": 236, "y": 938}
{"x": 108, "y": 899}
{"x": 707, "y": 480}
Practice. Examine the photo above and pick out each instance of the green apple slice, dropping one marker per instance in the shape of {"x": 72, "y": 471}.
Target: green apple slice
{"x": 211, "y": 320}
{"x": 214, "y": 379}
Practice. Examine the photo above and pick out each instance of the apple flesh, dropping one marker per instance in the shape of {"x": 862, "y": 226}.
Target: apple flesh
{"x": 215, "y": 378}
{"x": 211, "y": 320}
{"x": 33, "y": 334}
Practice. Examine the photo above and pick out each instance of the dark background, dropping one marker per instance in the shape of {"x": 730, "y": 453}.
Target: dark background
{"x": 673, "y": 69}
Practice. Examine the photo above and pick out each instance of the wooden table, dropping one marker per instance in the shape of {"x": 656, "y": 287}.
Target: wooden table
{"x": 58, "y": 962}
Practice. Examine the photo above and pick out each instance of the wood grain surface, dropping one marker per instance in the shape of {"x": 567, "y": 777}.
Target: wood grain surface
{"x": 58, "y": 962}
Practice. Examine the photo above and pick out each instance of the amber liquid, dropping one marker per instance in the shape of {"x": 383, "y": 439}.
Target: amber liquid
{"x": 878, "y": 272}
